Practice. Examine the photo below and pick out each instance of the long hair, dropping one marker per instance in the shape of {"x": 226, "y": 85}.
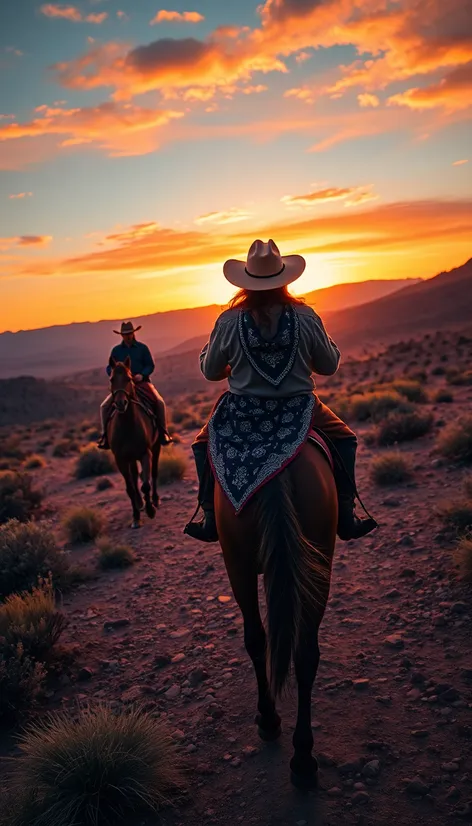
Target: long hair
{"x": 260, "y": 302}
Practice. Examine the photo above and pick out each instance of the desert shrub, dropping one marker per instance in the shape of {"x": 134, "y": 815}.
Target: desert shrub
{"x": 178, "y": 414}
{"x": 10, "y": 448}
{"x": 457, "y": 514}
{"x": 92, "y": 434}
{"x": 411, "y": 390}
{"x": 104, "y": 483}
{"x": 26, "y": 552}
{"x": 463, "y": 557}
{"x": 419, "y": 375}
{"x": 82, "y": 524}
{"x": 32, "y": 621}
{"x": 391, "y": 469}
{"x": 375, "y": 406}
{"x": 114, "y": 556}
{"x": 438, "y": 371}
{"x": 34, "y": 462}
{"x": 99, "y": 768}
{"x": 403, "y": 427}
{"x": 455, "y": 441}
{"x": 460, "y": 379}
{"x": 18, "y": 498}
{"x": 94, "y": 462}
{"x": 172, "y": 465}
{"x": 64, "y": 447}
{"x": 443, "y": 397}
{"x": 21, "y": 681}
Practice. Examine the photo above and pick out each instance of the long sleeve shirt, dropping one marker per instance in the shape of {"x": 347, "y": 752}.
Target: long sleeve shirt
{"x": 223, "y": 356}
{"x": 140, "y": 355}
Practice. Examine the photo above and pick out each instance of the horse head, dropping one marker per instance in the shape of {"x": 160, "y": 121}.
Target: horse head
{"x": 121, "y": 384}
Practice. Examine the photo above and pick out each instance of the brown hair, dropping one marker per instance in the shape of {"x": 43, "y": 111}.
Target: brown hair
{"x": 260, "y": 302}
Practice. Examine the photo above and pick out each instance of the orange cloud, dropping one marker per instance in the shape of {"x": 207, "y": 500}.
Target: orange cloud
{"x": 229, "y": 216}
{"x": 25, "y": 241}
{"x": 351, "y": 195}
{"x": 21, "y": 195}
{"x": 177, "y": 17}
{"x": 367, "y": 99}
{"x": 460, "y": 163}
{"x": 120, "y": 129}
{"x": 453, "y": 92}
{"x": 72, "y": 13}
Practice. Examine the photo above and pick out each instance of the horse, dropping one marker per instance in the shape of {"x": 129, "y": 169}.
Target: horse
{"x": 133, "y": 438}
{"x": 287, "y": 532}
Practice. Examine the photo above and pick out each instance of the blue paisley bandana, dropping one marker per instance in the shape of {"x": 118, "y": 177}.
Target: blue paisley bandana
{"x": 273, "y": 359}
{"x": 253, "y": 439}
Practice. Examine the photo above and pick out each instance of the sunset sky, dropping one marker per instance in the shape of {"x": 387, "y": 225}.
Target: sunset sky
{"x": 143, "y": 144}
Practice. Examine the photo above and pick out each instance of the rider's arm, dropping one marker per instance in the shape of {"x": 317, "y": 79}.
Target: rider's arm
{"x": 148, "y": 362}
{"x": 108, "y": 367}
{"x": 213, "y": 359}
{"x": 325, "y": 354}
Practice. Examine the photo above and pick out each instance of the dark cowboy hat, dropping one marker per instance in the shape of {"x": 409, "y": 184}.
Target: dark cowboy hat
{"x": 127, "y": 328}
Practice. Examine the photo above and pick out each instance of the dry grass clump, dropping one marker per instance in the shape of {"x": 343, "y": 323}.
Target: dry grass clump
{"x": 10, "y": 448}
{"x": 94, "y": 462}
{"x": 457, "y": 514}
{"x": 391, "y": 468}
{"x": 403, "y": 427}
{"x": 376, "y": 405}
{"x": 443, "y": 397}
{"x": 173, "y": 465}
{"x": 455, "y": 441}
{"x": 82, "y": 525}
{"x": 32, "y": 620}
{"x": 26, "y": 552}
{"x": 411, "y": 390}
{"x": 30, "y": 625}
{"x": 34, "y": 462}
{"x": 458, "y": 378}
{"x": 18, "y": 498}
{"x": 463, "y": 557}
{"x": 100, "y": 768}
{"x": 114, "y": 556}
{"x": 64, "y": 447}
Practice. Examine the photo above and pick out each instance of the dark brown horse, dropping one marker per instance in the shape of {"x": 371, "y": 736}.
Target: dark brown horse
{"x": 133, "y": 438}
{"x": 288, "y": 533}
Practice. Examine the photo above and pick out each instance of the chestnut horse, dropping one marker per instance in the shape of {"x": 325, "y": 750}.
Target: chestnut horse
{"x": 287, "y": 532}
{"x": 133, "y": 438}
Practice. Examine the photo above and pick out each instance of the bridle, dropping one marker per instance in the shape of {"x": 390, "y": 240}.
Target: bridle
{"x": 128, "y": 397}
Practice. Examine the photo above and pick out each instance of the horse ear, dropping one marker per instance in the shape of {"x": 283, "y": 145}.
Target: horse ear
{"x": 112, "y": 362}
{"x": 127, "y": 362}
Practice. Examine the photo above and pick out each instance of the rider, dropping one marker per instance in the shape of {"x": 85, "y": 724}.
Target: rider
{"x": 261, "y": 301}
{"x": 142, "y": 365}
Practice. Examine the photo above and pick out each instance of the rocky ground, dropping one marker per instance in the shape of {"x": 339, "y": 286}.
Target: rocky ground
{"x": 393, "y": 697}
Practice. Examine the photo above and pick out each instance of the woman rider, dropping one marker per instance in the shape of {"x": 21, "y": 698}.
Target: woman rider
{"x": 268, "y": 345}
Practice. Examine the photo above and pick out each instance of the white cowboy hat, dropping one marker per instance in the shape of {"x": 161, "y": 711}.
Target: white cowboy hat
{"x": 265, "y": 268}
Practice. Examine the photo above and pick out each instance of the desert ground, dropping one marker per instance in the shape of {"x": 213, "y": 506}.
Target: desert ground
{"x": 393, "y": 697}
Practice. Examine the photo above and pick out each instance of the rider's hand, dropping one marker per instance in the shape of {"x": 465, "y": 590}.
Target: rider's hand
{"x": 138, "y": 377}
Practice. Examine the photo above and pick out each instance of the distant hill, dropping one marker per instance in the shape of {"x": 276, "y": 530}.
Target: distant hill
{"x": 58, "y": 351}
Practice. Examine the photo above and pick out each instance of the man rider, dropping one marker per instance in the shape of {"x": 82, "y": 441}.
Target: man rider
{"x": 142, "y": 366}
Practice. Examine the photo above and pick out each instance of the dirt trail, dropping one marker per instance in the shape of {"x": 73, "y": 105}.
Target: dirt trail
{"x": 393, "y": 697}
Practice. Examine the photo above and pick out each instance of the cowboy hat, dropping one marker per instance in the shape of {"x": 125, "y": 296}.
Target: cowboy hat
{"x": 127, "y": 328}
{"x": 265, "y": 268}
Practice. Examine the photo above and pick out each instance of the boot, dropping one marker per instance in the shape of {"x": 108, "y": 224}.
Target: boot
{"x": 350, "y": 526}
{"x": 205, "y": 530}
{"x": 102, "y": 443}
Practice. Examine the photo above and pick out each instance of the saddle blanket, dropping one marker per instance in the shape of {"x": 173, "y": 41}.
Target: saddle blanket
{"x": 251, "y": 440}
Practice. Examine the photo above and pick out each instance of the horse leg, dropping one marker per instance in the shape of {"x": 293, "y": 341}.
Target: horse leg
{"x": 156, "y": 451}
{"x": 130, "y": 475}
{"x": 244, "y": 585}
{"x": 307, "y": 657}
{"x": 146, "y": 486}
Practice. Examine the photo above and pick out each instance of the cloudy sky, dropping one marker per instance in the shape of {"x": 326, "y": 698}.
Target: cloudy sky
{"x": 141, "y": 145}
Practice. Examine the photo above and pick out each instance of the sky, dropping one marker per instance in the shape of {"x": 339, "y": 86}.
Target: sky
{"x": 141, "y": 145}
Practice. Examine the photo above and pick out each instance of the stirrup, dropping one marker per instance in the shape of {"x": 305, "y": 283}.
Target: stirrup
{"x": 205, "y": 530}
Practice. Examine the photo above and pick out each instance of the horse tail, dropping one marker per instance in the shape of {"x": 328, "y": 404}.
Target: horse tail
{"x": 294, "y": 572}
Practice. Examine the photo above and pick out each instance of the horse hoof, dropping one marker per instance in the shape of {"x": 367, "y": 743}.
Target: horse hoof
{"x": 304, "y": 775}
{"x": 151, "y": 511}
{"x": 135, "y": 524}
{"x": 156, "y": 502}
{"x": 268, "y": 735}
